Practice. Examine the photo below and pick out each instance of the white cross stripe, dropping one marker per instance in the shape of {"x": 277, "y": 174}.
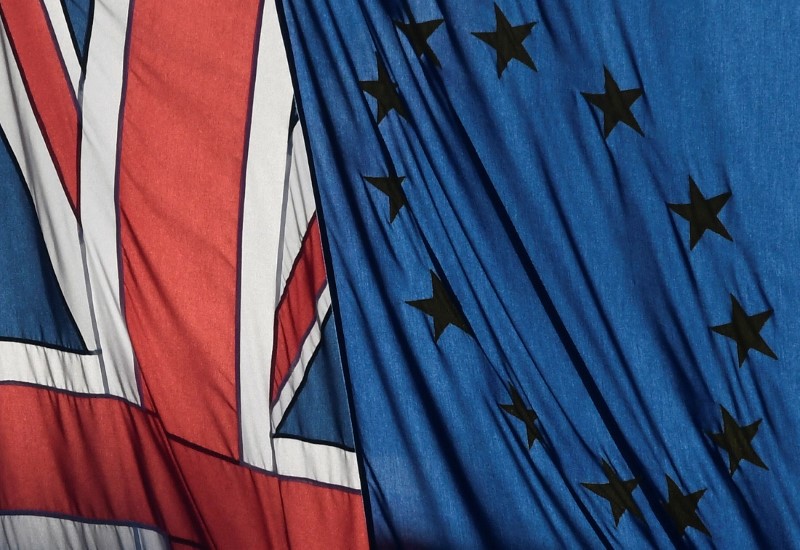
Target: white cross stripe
{"x": 278, "y": 205}
{"x": 34, "y": 532}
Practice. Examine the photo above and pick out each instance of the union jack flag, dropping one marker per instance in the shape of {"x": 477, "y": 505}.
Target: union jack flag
{"x": 171, "y": 290}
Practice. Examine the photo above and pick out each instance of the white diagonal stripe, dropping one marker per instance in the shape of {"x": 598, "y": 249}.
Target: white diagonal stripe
{"x": 58, "y": 20}
{"x": 57, "y": 221}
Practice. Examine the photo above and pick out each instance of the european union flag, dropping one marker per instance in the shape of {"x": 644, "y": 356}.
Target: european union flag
{"x": 564, "y": 241}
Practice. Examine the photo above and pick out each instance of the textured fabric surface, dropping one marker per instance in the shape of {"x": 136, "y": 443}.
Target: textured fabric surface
{"x": 606, "y": 195}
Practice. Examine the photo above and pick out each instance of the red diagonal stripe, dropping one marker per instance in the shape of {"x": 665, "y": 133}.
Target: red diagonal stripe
{"x": 47, "y": 85}
{"x": 297, "y": 310}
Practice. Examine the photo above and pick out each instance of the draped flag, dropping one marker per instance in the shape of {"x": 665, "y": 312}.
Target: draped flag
{"x": 564, "y": 247}
{"x": 170, "y": 375}
{"x": 398, "y": 274}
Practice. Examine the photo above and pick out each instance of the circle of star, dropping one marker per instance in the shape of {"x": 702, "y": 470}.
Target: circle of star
{"x": 702, "y": 214}
{"x": 615, "y": 104}
{"x": 391, "y": 187}
{"x": 683, "y": 508}
{"x": 745, "y": 330}
{"x": 518, "y": 410}
{"x": 385, "y": 91}
{"x": 418, "y": 34}
{"x": 442, "y": 308}
{"x": 507, "y": 40}
{"x": 737, "y": 441}
{"x": 618, "y": 492}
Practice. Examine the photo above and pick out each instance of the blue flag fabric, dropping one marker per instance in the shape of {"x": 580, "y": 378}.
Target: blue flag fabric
{"x": 563, "y": 240}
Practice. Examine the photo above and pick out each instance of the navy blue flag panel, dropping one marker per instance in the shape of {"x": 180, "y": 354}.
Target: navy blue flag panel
{"x": 563, "y": 240}
{"x": 32, "y": 307}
